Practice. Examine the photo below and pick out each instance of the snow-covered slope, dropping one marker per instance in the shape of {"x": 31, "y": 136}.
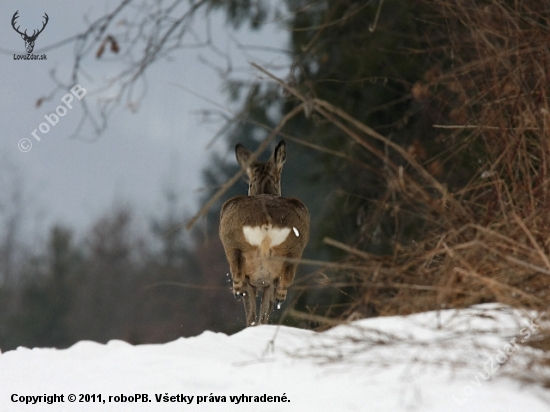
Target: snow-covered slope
{"x": 436, "y": 361}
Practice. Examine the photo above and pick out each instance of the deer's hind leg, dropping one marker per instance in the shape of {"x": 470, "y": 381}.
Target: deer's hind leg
{"x": 268, "y": 300}
{"x": 241, "y": 286}
{"x": 249, "y": 301}
{"x": 236, "y": 266}
{"x": 285, "y": 281}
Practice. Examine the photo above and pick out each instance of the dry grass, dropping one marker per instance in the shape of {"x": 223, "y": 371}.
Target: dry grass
{"x": 488, "y": 239}
{"x": 482, "y": 205}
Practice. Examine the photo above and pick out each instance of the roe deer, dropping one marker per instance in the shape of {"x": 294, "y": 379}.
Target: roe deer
{"x": 259, "y": 232}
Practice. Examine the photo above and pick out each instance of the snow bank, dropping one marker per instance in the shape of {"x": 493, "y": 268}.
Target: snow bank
{"x": 436, "y": 361}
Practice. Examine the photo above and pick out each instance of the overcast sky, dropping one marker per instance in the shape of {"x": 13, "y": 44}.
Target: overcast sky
{"x": 75, "y": 181}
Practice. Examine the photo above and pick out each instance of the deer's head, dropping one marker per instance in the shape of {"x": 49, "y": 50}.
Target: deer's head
{"x": 264, "y": 177}
{"x": 29, "y": 40}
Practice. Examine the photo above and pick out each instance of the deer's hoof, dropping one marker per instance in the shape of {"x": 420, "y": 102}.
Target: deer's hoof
{"x": 280, "y": 296}
{"x": 238, "y": 289}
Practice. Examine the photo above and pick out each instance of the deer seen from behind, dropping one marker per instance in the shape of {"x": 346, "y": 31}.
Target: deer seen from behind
{"x": 263, "y": 234}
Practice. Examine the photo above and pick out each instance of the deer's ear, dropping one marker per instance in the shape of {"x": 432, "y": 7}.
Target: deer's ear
{"x": 279, "y": 154}
{"x": 242, "y": 154}
{"x": 23, "y": 36}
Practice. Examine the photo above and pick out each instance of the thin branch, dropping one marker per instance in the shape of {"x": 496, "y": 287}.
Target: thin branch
{"x": 473, "y": 126}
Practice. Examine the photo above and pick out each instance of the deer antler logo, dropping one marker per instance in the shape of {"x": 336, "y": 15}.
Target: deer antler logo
{"x": 29, "y": 40}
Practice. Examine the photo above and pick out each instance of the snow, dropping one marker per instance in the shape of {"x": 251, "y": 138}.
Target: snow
{"x": 424, "y": 362}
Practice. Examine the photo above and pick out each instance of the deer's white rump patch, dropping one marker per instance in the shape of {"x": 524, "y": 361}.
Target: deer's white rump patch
{"x": 257, "y": 234}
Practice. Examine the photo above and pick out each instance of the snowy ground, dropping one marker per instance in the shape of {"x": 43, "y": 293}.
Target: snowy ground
{"x": 436, "y": 361}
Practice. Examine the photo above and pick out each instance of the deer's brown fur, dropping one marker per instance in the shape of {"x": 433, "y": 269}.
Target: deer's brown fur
{"x": 260, "y": 233}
